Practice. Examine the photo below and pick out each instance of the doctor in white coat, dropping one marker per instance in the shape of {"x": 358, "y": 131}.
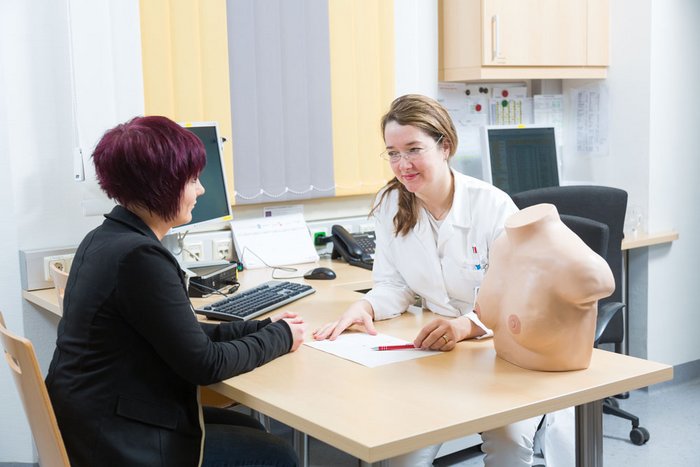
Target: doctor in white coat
{"x": 434, "y": 229}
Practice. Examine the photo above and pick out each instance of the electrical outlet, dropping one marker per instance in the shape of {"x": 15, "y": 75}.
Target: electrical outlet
{"x": 62, "y": 262}
{"x": 221, "y": 249}
{"x": 193, "y": 252}
{"x": 320, "y": 232}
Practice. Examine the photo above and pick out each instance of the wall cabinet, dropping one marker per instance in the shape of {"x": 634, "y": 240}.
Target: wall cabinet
{"x": 523, "y": 39}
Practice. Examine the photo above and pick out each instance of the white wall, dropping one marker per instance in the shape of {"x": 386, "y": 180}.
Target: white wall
{"x": 416, "y": 47}
{"x": 674, "y": 191}
{"x": 15, "y": 441}
{"x": 40, "y": 204}
{"x": 37, "y": 194}
{"x": 654, "y": 156}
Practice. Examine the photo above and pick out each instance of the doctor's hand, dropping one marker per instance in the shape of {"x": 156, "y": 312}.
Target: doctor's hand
{"x": 360, "y": 312}
{"x": 440, "y": 334}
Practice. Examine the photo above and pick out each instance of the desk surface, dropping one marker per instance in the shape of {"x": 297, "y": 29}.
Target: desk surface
{"x": 351, "y": 279}
{"x": 376, "y": 413}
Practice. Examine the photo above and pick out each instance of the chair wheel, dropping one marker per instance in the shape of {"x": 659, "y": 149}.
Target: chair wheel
{"x": 639, "y": 435}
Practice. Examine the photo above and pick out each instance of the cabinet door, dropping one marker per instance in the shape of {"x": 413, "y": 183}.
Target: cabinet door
{"x": 534, "y": 32}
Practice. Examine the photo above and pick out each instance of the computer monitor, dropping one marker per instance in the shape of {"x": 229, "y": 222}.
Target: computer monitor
{"x": 213, "y": 206}
{"x": 520, "y": 157}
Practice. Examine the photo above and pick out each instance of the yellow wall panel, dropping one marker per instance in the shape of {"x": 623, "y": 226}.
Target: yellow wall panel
{"x": 157, "y": 57}
{"x": 362, "y": 87}
{"x": 184, "y": 46}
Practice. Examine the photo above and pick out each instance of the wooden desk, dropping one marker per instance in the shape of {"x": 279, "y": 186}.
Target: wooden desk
{"x": 377, "y": 413}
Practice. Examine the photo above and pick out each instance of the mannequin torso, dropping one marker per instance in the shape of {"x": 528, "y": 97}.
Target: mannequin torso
{"x": 541, "y": 291}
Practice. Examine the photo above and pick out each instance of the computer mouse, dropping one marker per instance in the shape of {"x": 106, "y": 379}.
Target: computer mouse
{"x": 320, "y": 273}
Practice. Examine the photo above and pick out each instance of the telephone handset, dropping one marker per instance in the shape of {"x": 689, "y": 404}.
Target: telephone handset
{"x": 356, "y": 249}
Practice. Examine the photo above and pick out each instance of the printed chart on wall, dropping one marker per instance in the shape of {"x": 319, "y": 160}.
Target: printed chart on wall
{"x": 589, "y": 106}
{"x": 473, "y": 106}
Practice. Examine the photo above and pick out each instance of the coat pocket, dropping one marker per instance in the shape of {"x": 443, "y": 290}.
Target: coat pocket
{"x": 149, "y": 412}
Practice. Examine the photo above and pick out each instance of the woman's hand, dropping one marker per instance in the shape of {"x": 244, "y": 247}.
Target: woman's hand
{"x": 297, "y": 327}
{"x": 285, "y": 315}
{"x": 442, "y": 334}
{"x": 360, "y": 312}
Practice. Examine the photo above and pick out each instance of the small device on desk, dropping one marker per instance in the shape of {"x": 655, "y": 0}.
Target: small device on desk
{"x": 356, "y": 249}
{"x": 205, "y": 280}
{"x": 254, "y": 302}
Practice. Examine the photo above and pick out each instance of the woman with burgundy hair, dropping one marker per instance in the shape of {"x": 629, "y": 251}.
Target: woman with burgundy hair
{"x": 130, "y": 353}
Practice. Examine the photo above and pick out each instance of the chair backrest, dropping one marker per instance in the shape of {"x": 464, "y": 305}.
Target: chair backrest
{"x": 24, "y": 367}
{"x": 593, "y": 233}
{"x": 599, "y": 203}
{"x": 60, "y": 279}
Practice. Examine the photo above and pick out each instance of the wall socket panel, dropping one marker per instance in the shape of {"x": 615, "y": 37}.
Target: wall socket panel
{"x": 208, "y": 246}
{"x": 33, "y": 265}
{"x": 351, "y": 224}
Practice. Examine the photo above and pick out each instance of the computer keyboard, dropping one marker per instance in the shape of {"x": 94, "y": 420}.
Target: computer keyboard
{"x": 256, "y": 301}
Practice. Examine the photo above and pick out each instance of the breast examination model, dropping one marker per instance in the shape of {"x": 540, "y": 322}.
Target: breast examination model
{"x": 540, "y": 294}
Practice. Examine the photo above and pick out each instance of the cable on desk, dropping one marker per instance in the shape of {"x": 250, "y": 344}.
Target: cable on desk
{"x": 232, "y": 288}
{"x": 274, "y": 268}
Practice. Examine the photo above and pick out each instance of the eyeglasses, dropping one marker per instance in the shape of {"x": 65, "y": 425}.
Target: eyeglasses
{"x": 410, "y": 155}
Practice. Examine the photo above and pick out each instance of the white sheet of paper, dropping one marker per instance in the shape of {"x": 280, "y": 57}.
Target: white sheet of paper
{"x": 357, "y": 347}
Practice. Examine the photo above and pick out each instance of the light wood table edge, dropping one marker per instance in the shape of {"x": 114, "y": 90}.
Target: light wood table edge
{"x": 646, "y": 239}
{"x": 377, "y": 453}
{"x": 43, "y": 298}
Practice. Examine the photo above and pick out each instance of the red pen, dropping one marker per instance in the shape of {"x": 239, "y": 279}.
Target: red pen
{"x": 395, "y": 347}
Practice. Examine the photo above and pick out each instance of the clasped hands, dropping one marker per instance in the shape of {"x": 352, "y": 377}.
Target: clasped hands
{"x": 439, "y": 334}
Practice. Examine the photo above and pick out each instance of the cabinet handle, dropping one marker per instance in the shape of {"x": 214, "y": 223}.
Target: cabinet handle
{"x": 495, "y": 38}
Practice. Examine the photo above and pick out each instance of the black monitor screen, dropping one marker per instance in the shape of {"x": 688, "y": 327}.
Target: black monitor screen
{"x": 522, "y": 158}
{"x": 213, "y": 205}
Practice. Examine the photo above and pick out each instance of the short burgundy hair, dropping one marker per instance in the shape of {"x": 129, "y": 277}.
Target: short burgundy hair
{"x": 147, "y": 161}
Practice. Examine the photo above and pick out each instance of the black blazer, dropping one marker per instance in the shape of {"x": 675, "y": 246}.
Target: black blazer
{"x": 130, "y": 352}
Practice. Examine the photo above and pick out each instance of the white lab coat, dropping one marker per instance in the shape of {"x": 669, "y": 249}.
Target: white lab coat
{"x": 444, "y": 275}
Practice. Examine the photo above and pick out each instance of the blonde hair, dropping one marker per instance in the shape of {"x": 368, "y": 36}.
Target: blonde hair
{"x": 431, "y": 117}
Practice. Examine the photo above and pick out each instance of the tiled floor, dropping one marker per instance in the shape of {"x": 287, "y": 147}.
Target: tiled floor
{"x": 671, "y": 414}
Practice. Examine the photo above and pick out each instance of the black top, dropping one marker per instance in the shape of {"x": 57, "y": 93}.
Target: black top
{"x": 130, "y": 352}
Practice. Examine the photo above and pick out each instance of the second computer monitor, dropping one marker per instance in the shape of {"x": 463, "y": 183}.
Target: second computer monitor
{"x": 520, "y": 158}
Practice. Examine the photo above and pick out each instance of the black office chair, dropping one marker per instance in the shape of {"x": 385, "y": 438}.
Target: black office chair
{"x": 604, "y": 205}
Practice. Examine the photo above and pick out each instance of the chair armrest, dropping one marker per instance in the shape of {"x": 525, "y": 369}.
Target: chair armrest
{"x": 605, "y": 314}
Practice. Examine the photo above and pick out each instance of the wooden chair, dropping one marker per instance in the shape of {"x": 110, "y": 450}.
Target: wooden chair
{"x": 60, "y": 279}
{"x": 24, "y": 367}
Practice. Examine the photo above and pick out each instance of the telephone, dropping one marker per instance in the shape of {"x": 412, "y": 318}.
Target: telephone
{"x": 356, "y": 249}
